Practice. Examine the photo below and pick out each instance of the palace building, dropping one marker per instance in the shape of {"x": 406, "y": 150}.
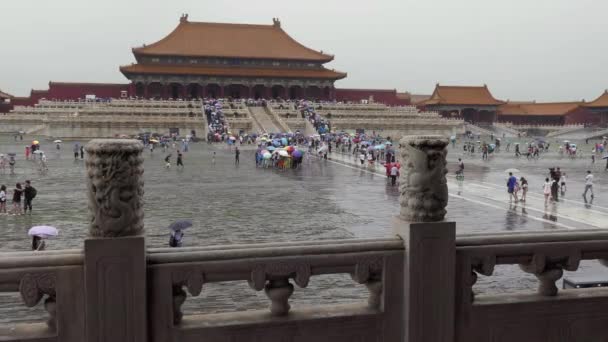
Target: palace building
{"x": 199, "y": 59}
{"x": 600, "y": 107}
{"x": 473, "y": 104}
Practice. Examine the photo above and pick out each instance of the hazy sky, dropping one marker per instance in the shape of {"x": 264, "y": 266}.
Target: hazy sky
{"x": 523, "y": 49}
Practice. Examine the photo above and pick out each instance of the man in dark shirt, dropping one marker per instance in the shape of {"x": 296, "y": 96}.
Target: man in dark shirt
{"x": 237, "y": 154}
{"x": 28, "y": 194}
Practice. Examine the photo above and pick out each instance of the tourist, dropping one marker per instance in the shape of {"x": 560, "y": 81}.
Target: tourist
{"x": 511, "y": 183}
{"x": 168, "y": 161}
{"x": 11, "y": 164}
{"x": 17, "y": 193}
{"x": 460, "y": 171}
{"x": 588, "y": 184}
{"x": 555, "y": 176}
{"x": 82, "y": 152}
{"x": 547, "y": 190}
{"x": 151, "y": 146}
{"x": 37, "y": 243}
{"x": 524, "y": 188}
{"x": 394, "y": 174}
{"x": 3, "y": 199}
{"x": 179, "y": 160}
{"x": 27, "y": 152}
{"x": 2, "y": 163}
{"x": 517, "y": 153}
{"x": 213, "y": 159}
{"x": 484, "y": 155}
{"x": 76, "y": 149}
{"x": 562, "y": 182}
{"x": 362, "y": 158}
{"x": 29, "y": 193}
{"x": 237, "y": 154}
{"x": 175, "y": 240}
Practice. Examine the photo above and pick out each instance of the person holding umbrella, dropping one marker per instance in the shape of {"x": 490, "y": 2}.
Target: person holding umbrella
{"x": 177, "y": 232}
{"x": 39, "y": 234}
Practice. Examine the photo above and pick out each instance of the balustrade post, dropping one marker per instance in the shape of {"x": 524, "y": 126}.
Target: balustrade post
{"x": 115, "y": 255}
{"x": 429, "y": 277}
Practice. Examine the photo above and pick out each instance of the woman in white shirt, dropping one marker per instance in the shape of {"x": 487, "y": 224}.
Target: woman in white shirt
{"x": 547, "y": 190}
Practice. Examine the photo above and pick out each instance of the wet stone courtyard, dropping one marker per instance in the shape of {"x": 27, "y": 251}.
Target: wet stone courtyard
{"x": 334, "y": 199}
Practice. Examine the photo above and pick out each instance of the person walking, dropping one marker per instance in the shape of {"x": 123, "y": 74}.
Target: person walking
{"x": 17, "y": 193}
{"x": 3, "y": 199}
{"x": 394, "y": 174}
{"x": 175, "y": 240}
{"x": 179, "y": 160}
{"x": 82, "y": 152}
{"x": 168, "y": 161}
{"x": 547, "y": 190}
{"x": 588, "y": 184}
{"x": 237, "y": 154}
{"x": 76, "y": 149}
{"x": 524, "y": 188}
{"x": 37, "y": 244}
{"x": 511, "y": 183}
{"x": 29, "y": 193}
{"x": 562, "y": 182}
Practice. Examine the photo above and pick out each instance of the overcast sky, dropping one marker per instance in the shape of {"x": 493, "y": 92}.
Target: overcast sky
{"x": 546, "y": 50}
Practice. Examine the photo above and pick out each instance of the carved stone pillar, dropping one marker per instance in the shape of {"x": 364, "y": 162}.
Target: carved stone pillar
{"x": 430, "y": 252}
{"x": 115, "y": 187}
{"x": 424, "y": 189}
{"x": 115, "y": 255}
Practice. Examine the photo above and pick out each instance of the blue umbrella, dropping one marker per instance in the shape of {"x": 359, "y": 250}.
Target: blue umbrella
{"x": 271, "y": 148}
{"x": 180, "y": 224}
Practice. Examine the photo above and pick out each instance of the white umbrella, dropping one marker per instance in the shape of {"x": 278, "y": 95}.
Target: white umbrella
{"x": 38, "y": 152}
{"x": 44, "y": 232}
{"x": 57, "y": 141}
{"x": 283, "y": 153}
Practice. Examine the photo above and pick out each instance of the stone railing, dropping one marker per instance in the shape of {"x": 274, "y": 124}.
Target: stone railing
{"x": 277, "y": 269}
{"x": 531, "y": 315}
{"x": 420, "y": 281}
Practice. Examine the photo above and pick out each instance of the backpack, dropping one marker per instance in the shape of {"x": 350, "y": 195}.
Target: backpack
{"x": 34, "y": 192}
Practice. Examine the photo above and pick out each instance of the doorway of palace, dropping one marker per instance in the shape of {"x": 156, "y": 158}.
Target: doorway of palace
{"x": 139, "y": 89}
{"x": 278, "y": 91}
{"x": 175, "y": 90}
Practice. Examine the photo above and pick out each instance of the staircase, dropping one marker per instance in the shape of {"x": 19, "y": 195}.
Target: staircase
{"x": 596, "y": 134}
{"x": 263, "y": 119}
{"x": 276, "y": 120}
{"x": 477, "y": 130}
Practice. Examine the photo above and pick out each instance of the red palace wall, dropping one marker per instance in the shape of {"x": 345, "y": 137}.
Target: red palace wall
{"x": 386, "y": 96}
{"x": 74, "y": 91}
{"x": 577, "y": 116}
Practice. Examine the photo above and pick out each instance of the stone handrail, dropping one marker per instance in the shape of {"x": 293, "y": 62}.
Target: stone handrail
{"x": 271, "y": 267}
{"x": 545, "y": 255}
{"x": 50, "y": 277}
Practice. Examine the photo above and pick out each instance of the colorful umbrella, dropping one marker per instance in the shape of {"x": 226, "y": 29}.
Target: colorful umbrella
{"x": 180, "y": 225}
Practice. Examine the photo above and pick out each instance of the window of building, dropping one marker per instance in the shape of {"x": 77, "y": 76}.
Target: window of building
{"x": 193, "y": 61}
{"x": 276, "y": 63}
{"x": 155, "y": 60}
{"x": 311, "y": 65}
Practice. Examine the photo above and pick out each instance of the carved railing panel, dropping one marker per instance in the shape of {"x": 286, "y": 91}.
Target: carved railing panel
{"x": 546, "y": 256}
{"x": 36, "y": 278}
{"x": 277, "y": 269}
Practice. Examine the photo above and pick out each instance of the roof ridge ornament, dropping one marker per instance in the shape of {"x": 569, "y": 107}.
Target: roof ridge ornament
{"x": 276, "y": 22}
{"x": 183, "y": 18}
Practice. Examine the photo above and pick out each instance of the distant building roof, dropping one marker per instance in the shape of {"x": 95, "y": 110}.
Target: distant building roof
{"x": 462, "y": 95}
{"x": 4, "y": 95}
{"x": 600, "y": 102}
{"x": 538, "y": 109}
{"x": 199, "y": 39}
{"x": 228, "y": 71}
